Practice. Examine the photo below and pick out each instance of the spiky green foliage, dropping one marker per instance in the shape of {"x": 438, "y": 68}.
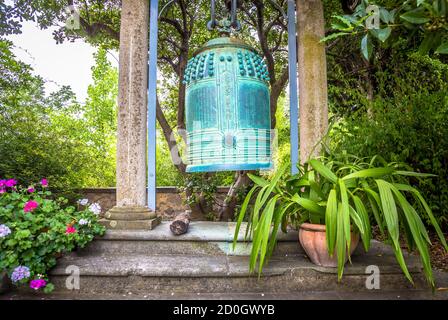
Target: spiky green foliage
{"x": 343, "y": 193}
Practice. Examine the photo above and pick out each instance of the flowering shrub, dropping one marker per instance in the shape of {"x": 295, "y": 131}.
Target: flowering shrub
{"x": 36, "y": 229}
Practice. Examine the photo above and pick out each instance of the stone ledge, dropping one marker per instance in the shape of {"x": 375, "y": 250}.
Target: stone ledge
{"x": 197, "y": 231}
{"x": 168, "y": 189}
{"x": 219, "y": 266}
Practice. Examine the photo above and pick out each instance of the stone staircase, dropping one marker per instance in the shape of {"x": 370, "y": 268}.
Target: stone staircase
{"x": 201, "y": 263}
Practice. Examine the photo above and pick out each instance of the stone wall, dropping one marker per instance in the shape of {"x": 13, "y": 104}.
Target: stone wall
{"x": 169, "y": 200}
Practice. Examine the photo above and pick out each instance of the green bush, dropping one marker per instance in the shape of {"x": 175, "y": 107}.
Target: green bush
{"x": 407, "y": 128}
{"x": 36, "y": 229}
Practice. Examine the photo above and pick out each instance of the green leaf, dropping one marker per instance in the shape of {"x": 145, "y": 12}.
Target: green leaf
{"x": 345, "y": 210}
{"x": 259, "y": 233}
{"x": 331, "y": 221}
{"x": 309, "y": 205}
{"x": 364, "y": 217}
{"x": 389, "y": 209}
{"x": 366, "y": 47}
{"x": 369, "y": 173}
{"x": 416, "y": 230}
{"x": 257, "y": 206}
{"x": 428, "y": 210}
{"x": 49, "y": 288}
{"x": 265, "y": 229}
{"x": 333, "y": 35}
{"x": 345, "y": 21}
{"x": 385, "y": 16}
{"x": 323, "y": 170}
{"x": 22, "y": 234}
{"x": 391, "y": 217}
{"x": 443, "y": 48}
{"x": 427, "y": 43}
{"x": 258, "y": 180}
{"x": 381, "y": 34}
{"x": 414, "y": 174}
{"x": 415, "y": 17}
{"x": 340, "y": 242}
{"x": 356, "y": 219}
{"x": 277, "y": 221}
{"x": 242, "y": 214}
{"x": 375, "y": 204}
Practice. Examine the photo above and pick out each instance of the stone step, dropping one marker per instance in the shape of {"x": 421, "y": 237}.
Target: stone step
{"x": 192, "y": 275}
{"x": 303, "y": 295}
{"x": 202, "y": 238}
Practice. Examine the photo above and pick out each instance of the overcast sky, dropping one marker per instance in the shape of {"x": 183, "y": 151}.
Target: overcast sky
{"x": 60, "y": 64}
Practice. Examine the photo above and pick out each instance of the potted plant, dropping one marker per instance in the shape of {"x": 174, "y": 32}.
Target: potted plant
{"x": 333, "y": 202}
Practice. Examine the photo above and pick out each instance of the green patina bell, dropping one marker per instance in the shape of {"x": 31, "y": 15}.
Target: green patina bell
{"x": 227, "y": 108}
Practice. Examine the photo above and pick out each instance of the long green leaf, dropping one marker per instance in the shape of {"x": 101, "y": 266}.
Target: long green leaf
{"x": 362, "y": 212}
{"x": 416, "y": 193}
{"x": 242, "y": 214}
{"x": 317, "y": 192}
{"x": 366, "y": 47}
{"x": 277, "y": 221}
{"x": 414, "y": 226}
{"x": 265, "y": 229}
{"x": 414, "y": 174}
{"x": 355, "y": 217}
{"x": 331, "y": 221}
{"x": 308, "y": 205}
{"x": 415, "y": 17}
{"x": 375, "y": 204}
{"x": 389, "y": 209}
{"x": 257, "y": 207}
{"x": 340, "y": 242}
{"x": 345, "y": 214}
{"x": 323, "y": 170}
{"x": 258, "y": 180}
{"x": 369, "y": 173}
{"x": 273, "y": 183}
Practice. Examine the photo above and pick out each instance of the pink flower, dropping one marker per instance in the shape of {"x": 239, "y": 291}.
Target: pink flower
{"x": 70, "y": 230}
{"x": 2, "y": 183}
{"x": 44, "y": 182}
{"x": 2, "y": 190}
{"x": 10, "y": 183}
{"x": 37, "y": 284}
{"x": 30, "y": 206}
{"x": 31, "y": 189}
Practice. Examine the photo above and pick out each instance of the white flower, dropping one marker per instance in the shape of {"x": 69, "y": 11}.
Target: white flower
{"x": 83, "y": 222}
{"x": 4, "y": 230}
{"x": 83, "y": 202}
{"x": 95, "y": 208}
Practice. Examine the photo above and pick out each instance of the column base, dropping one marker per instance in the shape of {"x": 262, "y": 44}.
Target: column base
{"x": 130, "y": 218}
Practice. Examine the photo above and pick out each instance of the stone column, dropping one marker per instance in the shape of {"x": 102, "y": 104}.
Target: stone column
{"x": 313, "y": 100}
{"x": 131, "y": 211}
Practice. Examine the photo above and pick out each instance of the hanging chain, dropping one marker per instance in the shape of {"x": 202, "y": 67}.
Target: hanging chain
{"x": 225, "y": 25}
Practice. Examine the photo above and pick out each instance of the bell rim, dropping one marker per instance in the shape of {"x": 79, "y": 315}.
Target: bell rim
{"x": 215, "y": 167}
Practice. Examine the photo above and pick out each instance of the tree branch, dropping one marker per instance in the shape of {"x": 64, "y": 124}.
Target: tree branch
{"x": 169, "y": 138}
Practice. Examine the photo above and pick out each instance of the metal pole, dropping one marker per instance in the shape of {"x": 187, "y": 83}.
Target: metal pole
{"x": 293, "y": 98}
{"x": 152, "y": 87}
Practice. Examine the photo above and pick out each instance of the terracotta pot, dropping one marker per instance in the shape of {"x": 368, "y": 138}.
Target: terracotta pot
{"x": 313, "y": 240}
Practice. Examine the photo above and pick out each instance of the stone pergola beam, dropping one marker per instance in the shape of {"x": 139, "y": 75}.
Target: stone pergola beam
{"x": 313, "y": 99}
{"x": 131, "y": 211}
